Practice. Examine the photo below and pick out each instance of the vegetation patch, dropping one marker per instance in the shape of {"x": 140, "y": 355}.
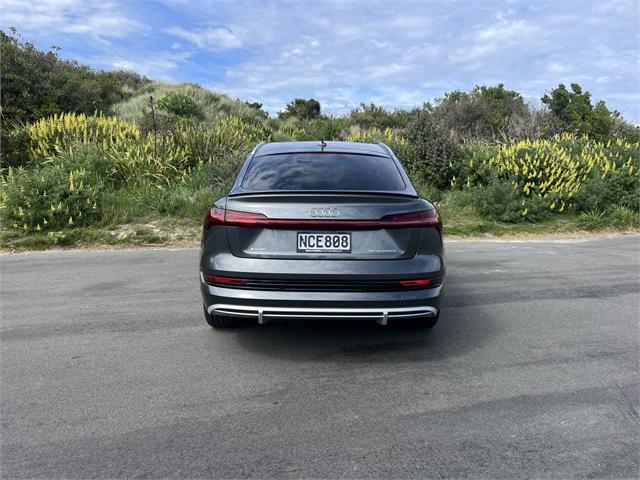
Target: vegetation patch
{"x": 112, "y": 158}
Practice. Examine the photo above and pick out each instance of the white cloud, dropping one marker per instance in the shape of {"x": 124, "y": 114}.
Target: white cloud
{"x": 158, "y": 66}
{"x": 398, "y": 54}
{"x": 99, "y": 20}
{"x": 210, "y": 38}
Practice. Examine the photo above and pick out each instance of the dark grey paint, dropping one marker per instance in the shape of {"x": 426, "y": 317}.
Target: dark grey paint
{"x": 377, "y": 254}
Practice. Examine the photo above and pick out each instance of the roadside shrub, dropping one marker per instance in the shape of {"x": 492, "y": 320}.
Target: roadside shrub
{"x": 592, "y": 220}
{"x": 601, "y": 193}
{"x": 431, "y": 150}
{"x": 501, "y": 202}
{"x": 393, "y": 139}
{"x": 15, "y": 146}
{"x": 375, "y": 116}
{"x": 574, "y": 112}
{"x": 51, "y": 197}
{"x": 37, "y": 83}
{"x": 68, "y": 131}
{"x": 481, "y": 114}
{"x": 211, "y": 105}
{"x": 226, "y": 136}
{"x": 302, "y": 109}
{"x": 131, "y": 201}
{"x": 427, "y": 191}
{"x": 188, "y": 198}
{"x": 325, "y": 128}
{"x": 91, "y": 158}
{"x": 623, "y": 217}
{"x": 555, "y": 170}
{"x": 158, "y": 160}
{"x": 180, "y": 104}
{"x": 457, "y": 206}
{"x": 471, "y": 166}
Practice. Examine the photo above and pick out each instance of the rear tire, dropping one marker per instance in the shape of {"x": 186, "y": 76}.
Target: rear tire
{"x": 217, "y": 321}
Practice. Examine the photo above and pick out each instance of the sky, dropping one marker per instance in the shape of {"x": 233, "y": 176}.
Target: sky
{"x": 398, "y": 54}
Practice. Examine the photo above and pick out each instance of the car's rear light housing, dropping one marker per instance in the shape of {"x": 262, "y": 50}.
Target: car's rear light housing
{"x": 229, "y": 281}
{"x": 321, "y": 285}
{"x": 215, "y": 216}
{"x": 235, "y": 218}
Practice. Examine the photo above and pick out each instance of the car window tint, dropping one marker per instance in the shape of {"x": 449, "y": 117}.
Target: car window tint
{"x": 322, "y": 171}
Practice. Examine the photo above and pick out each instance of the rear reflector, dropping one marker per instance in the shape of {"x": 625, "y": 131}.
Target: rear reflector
{"x": 224, "y": 280}
{"x": 234, "y": 218}
{"x": 421, "y": 282}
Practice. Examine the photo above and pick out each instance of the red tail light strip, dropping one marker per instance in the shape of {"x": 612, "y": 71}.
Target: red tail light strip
{"x": 224, "y": 280}
{"x": 423, "y": 218}
{"x": 421, "y": 282}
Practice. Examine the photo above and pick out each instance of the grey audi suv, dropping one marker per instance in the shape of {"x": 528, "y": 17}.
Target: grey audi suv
{"x": 322, "y": 230}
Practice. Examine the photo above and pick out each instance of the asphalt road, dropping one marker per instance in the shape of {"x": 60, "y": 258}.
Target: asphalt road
{"x": 108, "y": 370}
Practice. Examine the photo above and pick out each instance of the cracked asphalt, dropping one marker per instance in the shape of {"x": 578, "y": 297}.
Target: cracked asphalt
{"x": 108, "y": 370}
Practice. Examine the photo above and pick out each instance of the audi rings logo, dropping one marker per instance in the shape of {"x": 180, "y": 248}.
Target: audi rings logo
{"x": 324, "y": 212}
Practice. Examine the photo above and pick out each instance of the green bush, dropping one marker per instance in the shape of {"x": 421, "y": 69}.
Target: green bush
{"x": 90, "y": 157}
{"x": 38, "y": 83}
{"x": 68, "y": 131}
{"x": 471, "y": 166}
{"x": 375, "y": 116}
{"x": 458, "y": 206}
{"x": 226, "y": 136}
{"x": 481, "y": 114}
{"x": 15, "y": 144}
{"x": 500, "y": 201}
{"x": 431, "y": 150}
{"x": 180, "y": 104}
{"x": 602, "y": 193}
{"x": 623, "y": 217}
{"x": 574, "y": 113}
{"x": 188, "y": 198}
{"x": 48, "y": 198}
{"x": 617, "y": 217}
{"x": 158, "y": 160}
{"x": 592, "y": 220}
{"x": 302, "y": 109}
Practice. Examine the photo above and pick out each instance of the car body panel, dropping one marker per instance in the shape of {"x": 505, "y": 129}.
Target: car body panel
{"x": 282, "y": 278}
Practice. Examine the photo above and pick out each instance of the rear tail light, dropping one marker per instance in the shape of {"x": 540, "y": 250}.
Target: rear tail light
{"x": 422, "y": 282}
{"x": 235, "y": 218}
{"x": 215, "y": 216}
{"x": 215, "y": 279}
{"x": 221, "y": 216}
{"x": 423, "y": 218}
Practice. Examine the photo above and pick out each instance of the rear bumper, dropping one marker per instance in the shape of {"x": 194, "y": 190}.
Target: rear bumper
{"x": 264, "y": 314}
{"x": 271, "y": 305}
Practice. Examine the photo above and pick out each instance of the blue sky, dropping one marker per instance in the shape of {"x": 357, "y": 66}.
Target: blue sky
{"x": 393, "y": 53}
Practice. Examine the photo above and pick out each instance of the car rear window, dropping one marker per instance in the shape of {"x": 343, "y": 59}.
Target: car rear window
{"x": 322, "y": 171}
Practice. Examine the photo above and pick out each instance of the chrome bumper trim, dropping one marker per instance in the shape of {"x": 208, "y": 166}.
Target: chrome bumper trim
{"x": 264, "y": 314}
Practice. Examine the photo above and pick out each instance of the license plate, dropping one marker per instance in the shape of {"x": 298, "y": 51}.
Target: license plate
{"x": 324, "y": 242}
